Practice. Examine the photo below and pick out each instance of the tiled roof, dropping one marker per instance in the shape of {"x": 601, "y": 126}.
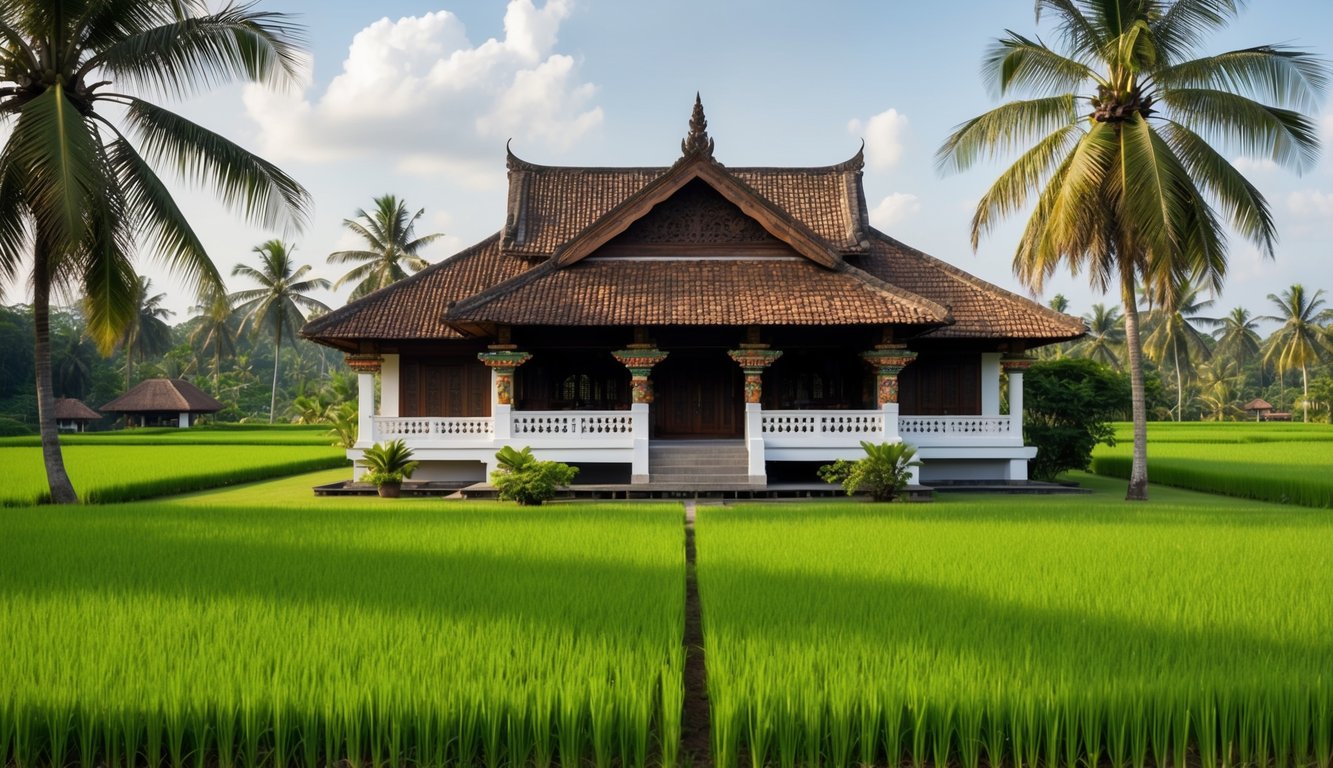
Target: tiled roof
{"x": 73, "y": 409}
{"x": 154, "y": 395}
{"x": 549, "y": 205}
{"x": 761, "y": 291}
{"x": 979, "y": 309}
{"x": 411, "y": 308}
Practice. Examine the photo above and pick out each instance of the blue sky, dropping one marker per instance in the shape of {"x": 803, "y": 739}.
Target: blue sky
{"x": 418, "y": 97}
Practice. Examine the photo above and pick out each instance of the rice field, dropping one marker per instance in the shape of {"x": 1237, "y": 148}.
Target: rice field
{"x": 213, "y": 633}
{"x": 215, "y": 434}
{"x": 1286, "y": 463}
{"x": 1019, "y": 632}
{"x": 111, "y": 471}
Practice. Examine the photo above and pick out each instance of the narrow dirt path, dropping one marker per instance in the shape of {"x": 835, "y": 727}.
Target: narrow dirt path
{"x": 695, "y": 728}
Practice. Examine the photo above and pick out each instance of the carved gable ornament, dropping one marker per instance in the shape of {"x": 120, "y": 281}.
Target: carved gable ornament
{"x": 696, "y": 215}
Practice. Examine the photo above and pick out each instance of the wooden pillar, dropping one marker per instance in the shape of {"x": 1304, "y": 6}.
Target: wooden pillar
{"x": 640, "y": 358}
{"x": 753, "y": 358}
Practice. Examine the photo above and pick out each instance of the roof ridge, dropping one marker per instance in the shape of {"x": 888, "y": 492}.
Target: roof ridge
{"x": 965, "y": 277}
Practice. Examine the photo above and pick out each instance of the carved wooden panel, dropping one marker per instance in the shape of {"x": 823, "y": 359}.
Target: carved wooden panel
{"x": 696, "y": 214}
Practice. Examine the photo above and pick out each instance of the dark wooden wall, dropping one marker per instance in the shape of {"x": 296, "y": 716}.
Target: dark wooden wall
{"x": 941, "y": 385}
{"x": 443, "y": 386}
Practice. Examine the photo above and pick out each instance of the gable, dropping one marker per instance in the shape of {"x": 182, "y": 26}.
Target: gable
{"x": 695, "y": 221}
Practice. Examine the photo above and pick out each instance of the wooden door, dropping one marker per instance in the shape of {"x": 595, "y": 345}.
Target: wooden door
{"x": 698, "y": 395}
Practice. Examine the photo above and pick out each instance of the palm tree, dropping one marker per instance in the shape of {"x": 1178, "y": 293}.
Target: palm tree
{"x": 1175, "y": 340}
{"x": 1301, "y": 341}
{"x": 147, "y": 333}
{"x": 73, "y": 356}
{"x": 277, "y": 304}
{"x": 1237, "y": 336}
{"x": 78, "y": 197}
{"x": 1114, "y": 129}
{"x": 1106, "y": 336}
{"x": 215, "y": 334}
{"x": 391, "y": 244}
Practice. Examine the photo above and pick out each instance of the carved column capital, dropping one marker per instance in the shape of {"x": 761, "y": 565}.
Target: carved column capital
{"x": 1016, "y": 364}
{"x": 502, "y": 360}
{"x": 640, "y": 359}
{"x": 753, "y": 359}
{"x": 363, "y": 362}
{"x": 888, "y": 360}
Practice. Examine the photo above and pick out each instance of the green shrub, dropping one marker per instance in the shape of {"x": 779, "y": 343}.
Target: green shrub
{"x": 1068, "y": 405}
{"x": 883, "y": 473}
{"x": 522, "y": 478}
{"x": 12, "y": 428}
{"x": 388, "y": 463}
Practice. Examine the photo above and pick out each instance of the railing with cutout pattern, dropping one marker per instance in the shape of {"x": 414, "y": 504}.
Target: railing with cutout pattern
{"x": 582, "y": 424}
{"x": 821, "y": 427}
{"x": 953, "y": 426}
{"x": 433, "y": 427}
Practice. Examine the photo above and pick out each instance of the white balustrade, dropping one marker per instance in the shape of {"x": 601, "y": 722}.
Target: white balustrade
{"x": 952, "y": 427}
{"x": 821, "y": 428}
{"x": 411, "y": 428}
{"x": 551, "y": 424}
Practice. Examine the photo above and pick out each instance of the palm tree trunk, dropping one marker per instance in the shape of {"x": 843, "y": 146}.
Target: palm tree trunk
{"x": 62, "y": 490}
{"x": 1138, "y": 470}
{"x": 277, "y": 354}
{"x": 1180, "y": 383}
{"x": 1305, "y": 398}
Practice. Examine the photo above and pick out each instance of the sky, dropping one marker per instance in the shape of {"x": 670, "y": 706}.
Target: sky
{"x": 418, "y": 98}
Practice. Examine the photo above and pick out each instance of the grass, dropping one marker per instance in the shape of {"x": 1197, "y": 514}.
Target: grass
{"x": 218, "y": 434}
{"x": 109, "y": 471}
{"x": 1069, "y": 631}
{"x": 261, "y": 626}
{"x": 1285, "y": 463}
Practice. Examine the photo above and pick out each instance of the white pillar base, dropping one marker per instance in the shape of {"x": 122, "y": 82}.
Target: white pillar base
{"x": 640, "y": 471}
{"x": 754, "y": 443}
{"x": 365, "y": 410}
{"x": 1017, "y": 470}
{"x": 183, "y": 420}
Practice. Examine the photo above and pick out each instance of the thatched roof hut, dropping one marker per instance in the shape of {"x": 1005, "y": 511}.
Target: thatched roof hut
{"x": 163, "y": 402}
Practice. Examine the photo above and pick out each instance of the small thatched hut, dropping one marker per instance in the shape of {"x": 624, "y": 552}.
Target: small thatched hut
{"x": 73, "y": 416}
{"x": 163, "y": 403}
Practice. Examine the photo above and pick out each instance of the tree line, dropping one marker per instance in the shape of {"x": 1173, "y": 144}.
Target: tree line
{"x": 243, "y": 347}
{"x": 1207, "y": 367}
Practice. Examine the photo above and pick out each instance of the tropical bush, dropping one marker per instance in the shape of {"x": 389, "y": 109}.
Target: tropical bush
{"x": 522, "y": 478}
{"x": 389, "y": 463}
{"x": 883, "y": 473}
{"x": 1067, "y": 409}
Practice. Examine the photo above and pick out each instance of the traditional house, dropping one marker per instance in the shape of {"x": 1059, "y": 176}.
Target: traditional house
{"x": 72, "y": 415}
{"x": 163, "y": 403}
{"x": 620, "y": 311}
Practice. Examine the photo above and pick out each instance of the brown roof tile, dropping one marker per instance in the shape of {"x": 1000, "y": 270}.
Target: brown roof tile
{"x": 73, "y": 409}
{"x": 979, "y": 309}
{"x": 762, "y": 291}
{"x": 154, "y": 395}
{"x": 411, "y": 308}
{"x": 549, "y": 205}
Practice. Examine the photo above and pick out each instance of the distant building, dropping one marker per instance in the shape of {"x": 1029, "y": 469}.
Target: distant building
{"x": 163, "y": 403}
{"x": 73, "y": 416}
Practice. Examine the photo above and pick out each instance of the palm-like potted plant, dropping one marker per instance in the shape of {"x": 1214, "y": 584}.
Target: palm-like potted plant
{"x": 389, "y": 464}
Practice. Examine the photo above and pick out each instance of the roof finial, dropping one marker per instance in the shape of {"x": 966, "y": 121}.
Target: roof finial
{"x": 697, "y": 143}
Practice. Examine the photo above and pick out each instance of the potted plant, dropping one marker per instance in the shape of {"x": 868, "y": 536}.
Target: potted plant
{"x": 389, "y": 464}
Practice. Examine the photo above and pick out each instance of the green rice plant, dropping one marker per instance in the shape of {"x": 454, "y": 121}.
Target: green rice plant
{"x": 412, "y": 634}
{"x": 1020, "y": 632}
{"x": 114, "y": 473}
{"x": 1283, "y": 463}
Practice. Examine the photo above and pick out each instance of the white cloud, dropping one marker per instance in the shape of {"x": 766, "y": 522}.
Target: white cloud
{"x": 1247, "y": 164}
{"x": 895, "y": 208}
{"x": 885, "y": 135}
{"x": 1311, "y": 203}
{"x": 418, "y": 91}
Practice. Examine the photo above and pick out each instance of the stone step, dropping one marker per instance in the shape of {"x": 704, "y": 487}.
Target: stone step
{"x": 699, "y": 479}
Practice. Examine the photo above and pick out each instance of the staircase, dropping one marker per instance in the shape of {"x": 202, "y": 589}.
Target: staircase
{"x": 698, "y": 464}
